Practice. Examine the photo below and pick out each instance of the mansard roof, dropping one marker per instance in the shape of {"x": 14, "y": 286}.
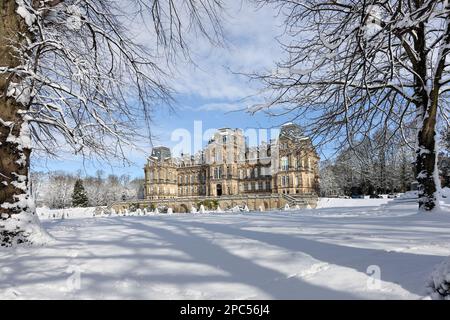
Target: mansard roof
{"x": 292, "y": 131}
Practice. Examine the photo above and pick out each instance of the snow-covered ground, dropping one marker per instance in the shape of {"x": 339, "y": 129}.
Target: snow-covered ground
{"x": 335, "y": 252}
{"x": 344, "y": 203}
{"x": 68, "y": 213}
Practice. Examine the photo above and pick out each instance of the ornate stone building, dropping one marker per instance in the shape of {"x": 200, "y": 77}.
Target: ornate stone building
{"x": 287, "y": 165}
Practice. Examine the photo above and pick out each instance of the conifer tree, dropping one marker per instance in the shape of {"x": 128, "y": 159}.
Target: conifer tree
{"x": 79, "y": 196}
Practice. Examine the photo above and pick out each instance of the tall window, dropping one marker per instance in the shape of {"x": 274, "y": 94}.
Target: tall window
{"x": 219, "y": 156}
{"x": 285, "y": 181}
{"x": 218, "y": 172}
{"x": 285, "y": 163}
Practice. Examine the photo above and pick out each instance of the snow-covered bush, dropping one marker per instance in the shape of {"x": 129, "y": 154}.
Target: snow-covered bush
{"x": 236, "y": 209}
{"x": 445, "y": 193}
{"x": 439, "y": 282}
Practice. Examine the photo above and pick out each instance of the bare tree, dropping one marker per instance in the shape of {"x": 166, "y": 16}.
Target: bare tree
{"x": 70, "y": 74}
{"x": 353, "y": 67}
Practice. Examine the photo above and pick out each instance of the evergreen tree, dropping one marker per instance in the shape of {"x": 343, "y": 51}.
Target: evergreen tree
{"x": 79, "y": 196}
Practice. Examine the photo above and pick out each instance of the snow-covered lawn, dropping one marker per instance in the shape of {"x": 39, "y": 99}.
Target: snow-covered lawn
{"x": 324, "y": 253}
{"x": 344, "y": 203}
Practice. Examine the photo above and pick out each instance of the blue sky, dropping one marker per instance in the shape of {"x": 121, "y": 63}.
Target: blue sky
{"x": 209, "y": 91}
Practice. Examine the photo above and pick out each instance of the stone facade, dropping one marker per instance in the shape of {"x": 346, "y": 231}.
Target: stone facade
{"x": 227, "y": 167}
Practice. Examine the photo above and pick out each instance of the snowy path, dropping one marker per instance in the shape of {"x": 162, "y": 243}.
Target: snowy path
{"x": 320, "y": 253}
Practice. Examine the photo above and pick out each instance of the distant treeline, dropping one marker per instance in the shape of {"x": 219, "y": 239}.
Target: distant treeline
{"x": 377, "y": 166}
{"x": 54, "y": 189}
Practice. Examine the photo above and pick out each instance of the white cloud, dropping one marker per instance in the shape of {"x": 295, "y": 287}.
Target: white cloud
{"x": 224, "y": 107}
{"x": 250, "y": 47}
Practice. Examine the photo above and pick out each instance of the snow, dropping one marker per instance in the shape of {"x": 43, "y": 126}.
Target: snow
{"x": 346, "y": 249}
{"x": 23, "y": 11}
{"x": 68, "y": 213}
{"x": 439, "y": 283}
{"x": 337, "y": 202}
{"x": 26, "y": 223}
{"x": 444, "y": 199}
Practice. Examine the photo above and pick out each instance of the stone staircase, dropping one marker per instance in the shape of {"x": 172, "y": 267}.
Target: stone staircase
{"x": 301, "y": 200}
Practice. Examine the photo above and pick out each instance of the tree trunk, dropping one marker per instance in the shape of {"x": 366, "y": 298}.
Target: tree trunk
{"x": 427, "y": 100}
{"x": 425, "y": 166}
{"x": 426, "y": 159}
{"x": 18, "y": 220}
